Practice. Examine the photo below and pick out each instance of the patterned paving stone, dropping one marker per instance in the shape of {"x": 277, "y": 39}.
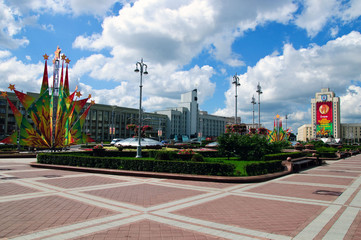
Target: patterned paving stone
{"x": 202, "y": 184}
{"x": 8, "y": 189}
{"x": 59, "y": 207}
{"x": 24, "y": 216}
{"x": 332, "y": 172}
{"x": 145, "y": 195}
{"x": 42, "y": 173}
{"x": 295, "y": 190}
{"x": 318, "y": 179}
{"x": 75, "y": 182}
{"x": 257, "y": 214}
{"x": 354, "y": 231}
{"x": 148, "y": 230}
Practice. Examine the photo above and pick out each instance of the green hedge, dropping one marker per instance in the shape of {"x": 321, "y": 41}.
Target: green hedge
{"x": 264, "y": 168}
{"x": 136, "y": 164}
{"x": 284, "y": 156}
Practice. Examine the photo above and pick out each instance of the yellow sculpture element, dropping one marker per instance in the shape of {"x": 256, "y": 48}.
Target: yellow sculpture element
{"x": 57, "y": 53}
{"x": 46, "y": 57}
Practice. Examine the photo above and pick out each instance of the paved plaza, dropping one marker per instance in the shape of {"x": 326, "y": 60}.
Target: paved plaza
{"x": 320, "y": 203}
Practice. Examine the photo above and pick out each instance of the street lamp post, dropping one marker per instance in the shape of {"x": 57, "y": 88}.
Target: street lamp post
{"x": 259, "y": 91}
{"x": 236, "y": 83}
{"x": 112, "y": 129}
{"x": 253, "y": 103}
{"x": 142, "y": 69}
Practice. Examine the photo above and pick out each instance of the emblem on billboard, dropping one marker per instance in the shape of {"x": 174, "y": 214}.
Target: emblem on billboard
{"x": 323, "y": 97}
{"x": 324, "y": 109}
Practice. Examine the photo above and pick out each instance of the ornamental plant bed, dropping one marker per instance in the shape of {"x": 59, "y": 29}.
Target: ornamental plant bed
{"x": 138, "y": 164}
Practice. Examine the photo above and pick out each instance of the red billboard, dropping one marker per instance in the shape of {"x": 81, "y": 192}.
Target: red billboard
{"x": 324, "y": 119}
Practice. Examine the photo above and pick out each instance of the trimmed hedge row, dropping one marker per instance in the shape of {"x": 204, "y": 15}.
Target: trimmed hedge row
{"x": 136, "y": 164}
{"x": 264, "y": 168}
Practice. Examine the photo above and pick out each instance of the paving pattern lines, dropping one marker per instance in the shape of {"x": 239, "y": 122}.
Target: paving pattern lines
{"x": 168, "y": 214}
{"x": 36, "y": 214}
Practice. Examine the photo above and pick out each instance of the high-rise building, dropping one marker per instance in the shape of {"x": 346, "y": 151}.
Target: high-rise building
{"x": 325, "y": 115}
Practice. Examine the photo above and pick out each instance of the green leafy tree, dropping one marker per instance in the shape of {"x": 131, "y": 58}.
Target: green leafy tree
{"x": 228, "y": 144}
{"x": 247, "y": 147}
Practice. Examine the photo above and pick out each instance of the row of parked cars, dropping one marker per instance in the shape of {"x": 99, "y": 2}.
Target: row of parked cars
{"x": 133, "y": 142}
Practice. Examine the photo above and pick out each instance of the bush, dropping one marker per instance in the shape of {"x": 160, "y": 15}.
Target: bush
{"x": 136, "y": 164}
{"x": 264, "y": 168}
{"x": 246, "y": 147}
{"x": 326, "y": 149}
{"x": 164, "y": 155}
{"x": 197, "y": 158}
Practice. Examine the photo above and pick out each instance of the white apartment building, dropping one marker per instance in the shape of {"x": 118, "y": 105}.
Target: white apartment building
{"x": 305, "y": 133}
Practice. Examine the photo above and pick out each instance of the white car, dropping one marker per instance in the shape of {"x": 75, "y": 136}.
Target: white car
{"x": 115, "y": 140}
{"x": 133, "y": 142}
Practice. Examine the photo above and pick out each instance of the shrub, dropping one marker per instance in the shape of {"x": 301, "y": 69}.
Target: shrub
{"x": 164, "y": 155}
{"x": 248, "y": 147}
{"x": 136, "y": 164}
{"x": 197, "y": 158}
{"x": 264, "y": 168}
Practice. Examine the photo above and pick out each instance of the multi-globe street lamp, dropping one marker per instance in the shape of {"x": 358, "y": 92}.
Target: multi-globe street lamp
{"x": 253, "y": 103}
{"x": 259, "y": 91}
{"x": 236, "y": 83}
{"x": 142, "y": 69}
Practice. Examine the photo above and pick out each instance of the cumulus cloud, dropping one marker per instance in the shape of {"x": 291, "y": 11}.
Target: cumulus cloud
{"x": 290, "y": 80}
{"x": 10, "y": 25}
{"x": 176, "y": 31}
{"x": 25, "y": 76}
{"x": 317, "y": 13}
{"x": 351, "y": 104}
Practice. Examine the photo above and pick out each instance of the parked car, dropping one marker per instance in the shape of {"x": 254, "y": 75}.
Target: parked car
{"x": 133, "y": 142}
{"x": 115, "y": 140}
{"x": 212, "y": 145}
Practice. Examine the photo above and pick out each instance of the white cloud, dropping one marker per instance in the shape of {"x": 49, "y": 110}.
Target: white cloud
{"x": 24, "y": 76}
{"x": 5, "y": 54}
{"x": 351, "y": 105}
{"x": 317, "y": 13}
{"x": 10, "y": 25}
{"x": 290, "y": 80}
{"x": 176, "y": 31}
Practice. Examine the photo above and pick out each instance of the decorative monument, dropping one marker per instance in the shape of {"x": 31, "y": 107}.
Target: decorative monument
{"x": 278, "y": 134}
{"x": 56, "y": 115}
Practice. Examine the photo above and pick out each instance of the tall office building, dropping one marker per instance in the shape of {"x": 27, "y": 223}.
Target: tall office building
{"x": 325, "y": 114}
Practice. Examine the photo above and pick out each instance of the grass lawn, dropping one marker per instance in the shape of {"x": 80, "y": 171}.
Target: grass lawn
{"x": 240, "y": 166}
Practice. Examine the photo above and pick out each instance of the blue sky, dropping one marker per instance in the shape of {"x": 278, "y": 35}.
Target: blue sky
{"x": 292, "y": 48}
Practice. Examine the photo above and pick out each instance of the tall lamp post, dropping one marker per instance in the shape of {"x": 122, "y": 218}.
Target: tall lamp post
{"x": 142, "y": 69}
{"x": 236, "y": 83}
{"x": 259, "y": 91}
{"x": 253, "y": 103}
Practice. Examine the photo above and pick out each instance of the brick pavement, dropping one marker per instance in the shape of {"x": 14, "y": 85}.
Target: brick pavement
{"x": 320, "y": 203}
